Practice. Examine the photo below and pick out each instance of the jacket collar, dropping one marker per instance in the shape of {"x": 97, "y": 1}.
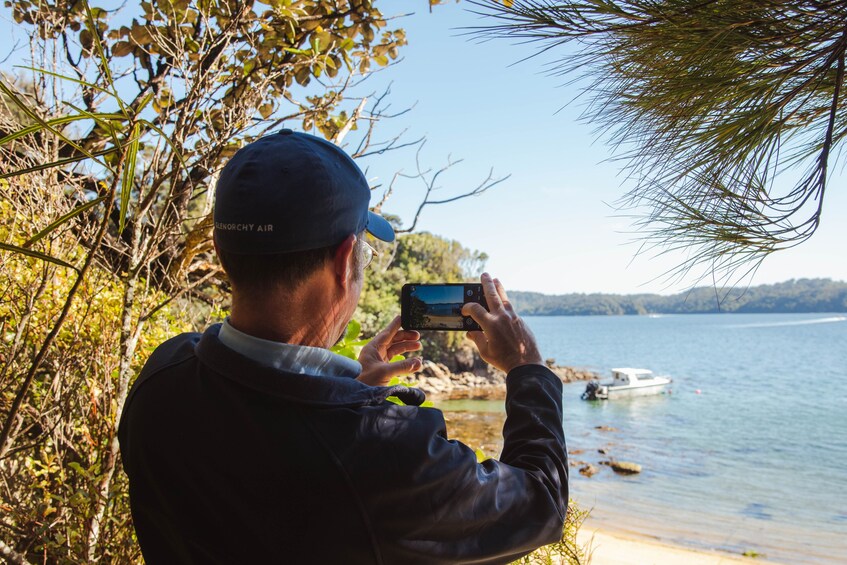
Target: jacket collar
{"x": 315, "y": 390}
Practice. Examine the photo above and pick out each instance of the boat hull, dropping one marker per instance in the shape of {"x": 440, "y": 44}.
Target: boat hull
{"x": 633, "y": 391}
{"x": 606, "y": 391}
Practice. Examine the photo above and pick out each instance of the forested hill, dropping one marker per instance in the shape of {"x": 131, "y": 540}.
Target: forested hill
{"x": 794, "y": 296}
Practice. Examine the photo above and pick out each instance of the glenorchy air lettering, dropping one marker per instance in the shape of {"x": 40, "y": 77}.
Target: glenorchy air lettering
{"x": 244, "y": 227}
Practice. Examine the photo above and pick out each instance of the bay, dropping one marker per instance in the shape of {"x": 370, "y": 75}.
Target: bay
{"x": 748, "y": 452}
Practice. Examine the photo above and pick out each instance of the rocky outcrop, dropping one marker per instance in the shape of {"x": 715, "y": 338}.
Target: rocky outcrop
{"x": 437, "y": 381}
{"x": 571, "y": 374}
{"x": 476, "y": 379}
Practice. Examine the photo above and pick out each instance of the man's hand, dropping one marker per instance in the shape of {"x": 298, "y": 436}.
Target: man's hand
{"x": 375, "y": 357}
{"x": 506, "y": 341}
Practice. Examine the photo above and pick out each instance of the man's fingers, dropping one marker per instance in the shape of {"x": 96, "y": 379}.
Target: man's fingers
{"x": 393, "y": 327}
{"x": 412, "y": 365}
{"x": 388, "y": 333}
{"x": 501, "y": 292}
{"x": 402, "y": 347}
{"x": 407, "y": 335}
{"x": 403, "y": 367}
{"x": 492, "y": 298}
{"x": 477, "y": 312}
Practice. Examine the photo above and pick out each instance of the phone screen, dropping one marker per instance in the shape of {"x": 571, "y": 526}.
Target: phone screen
{"x": 439, "y": 306}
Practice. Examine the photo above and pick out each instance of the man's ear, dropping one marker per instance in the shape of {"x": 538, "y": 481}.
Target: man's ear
{"x": 344, "y": 259}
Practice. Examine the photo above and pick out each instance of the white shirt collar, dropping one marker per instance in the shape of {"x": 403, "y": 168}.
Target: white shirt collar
{"x": 290, "y": 358}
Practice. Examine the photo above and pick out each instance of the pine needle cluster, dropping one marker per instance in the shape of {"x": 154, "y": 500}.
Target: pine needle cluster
{"x": 727, "y": 114}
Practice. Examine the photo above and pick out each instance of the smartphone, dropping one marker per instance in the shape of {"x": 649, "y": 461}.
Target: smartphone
{"x": 439, "y": 306}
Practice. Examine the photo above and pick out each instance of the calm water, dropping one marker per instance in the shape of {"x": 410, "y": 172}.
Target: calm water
{"x": 748, "y": 452}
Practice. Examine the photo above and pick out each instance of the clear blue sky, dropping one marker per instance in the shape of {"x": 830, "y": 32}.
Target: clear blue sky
{"x": 549, "y": 227}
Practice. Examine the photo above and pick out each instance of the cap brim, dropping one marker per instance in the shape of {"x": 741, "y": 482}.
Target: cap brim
{"x": 379, "y": 227}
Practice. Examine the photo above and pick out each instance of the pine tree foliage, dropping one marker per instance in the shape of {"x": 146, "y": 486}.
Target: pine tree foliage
{"x": 729, "y": 114}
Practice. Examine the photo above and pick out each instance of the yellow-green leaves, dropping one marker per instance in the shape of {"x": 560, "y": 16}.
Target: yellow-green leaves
{"x": 128, "y": 174}
{"x": 122, "y": 49}
{"x": 36, "y": 254}
{"x": 397, "y": 381}
{"x": 265, "y": 110}
{"x": 132, "y": 119}
{"x": 350, "y": 345}
{"x": 63, "y": 219}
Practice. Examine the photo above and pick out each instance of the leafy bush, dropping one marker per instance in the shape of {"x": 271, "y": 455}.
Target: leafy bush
{"x": 566, "y": 551}
{"x": 63, "y": 432}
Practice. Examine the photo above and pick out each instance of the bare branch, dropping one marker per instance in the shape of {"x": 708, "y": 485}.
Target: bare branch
{"x": 429, "y": 181}
{"x": 387, "y": 194}
{"x": 342, "y": 133}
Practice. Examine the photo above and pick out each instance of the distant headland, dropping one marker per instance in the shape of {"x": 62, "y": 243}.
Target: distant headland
{"x": 790, "y": 297}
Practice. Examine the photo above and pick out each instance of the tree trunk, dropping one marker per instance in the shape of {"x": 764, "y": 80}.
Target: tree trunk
{"x": 129, "y": 342}
{"x": 11, "y": 555}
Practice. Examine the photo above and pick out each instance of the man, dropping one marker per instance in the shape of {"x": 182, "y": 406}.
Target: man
{"x": 253, "y": 443}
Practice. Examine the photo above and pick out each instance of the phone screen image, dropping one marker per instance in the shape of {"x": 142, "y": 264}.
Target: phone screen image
{"x": 439, "y": 306}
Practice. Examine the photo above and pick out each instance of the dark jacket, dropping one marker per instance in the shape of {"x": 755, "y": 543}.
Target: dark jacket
{"x": 233, "y": 462}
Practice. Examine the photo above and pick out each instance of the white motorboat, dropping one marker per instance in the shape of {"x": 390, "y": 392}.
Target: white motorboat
{"x": 626, "y": 382}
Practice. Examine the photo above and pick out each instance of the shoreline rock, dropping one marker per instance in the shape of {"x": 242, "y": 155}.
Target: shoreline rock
{"x": 624, "y": 467}
{"x": 481, "y": 383}
{"x": 588, "y": 470}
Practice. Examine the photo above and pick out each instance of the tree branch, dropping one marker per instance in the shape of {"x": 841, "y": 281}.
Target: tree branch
{"x": 430, "y": 187}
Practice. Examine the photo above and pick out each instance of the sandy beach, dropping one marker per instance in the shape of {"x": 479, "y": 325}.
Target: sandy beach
{"x": 615, "y": 548}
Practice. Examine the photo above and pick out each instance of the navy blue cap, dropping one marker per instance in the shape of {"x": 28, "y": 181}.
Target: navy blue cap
{"x": 292, "y": 191}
